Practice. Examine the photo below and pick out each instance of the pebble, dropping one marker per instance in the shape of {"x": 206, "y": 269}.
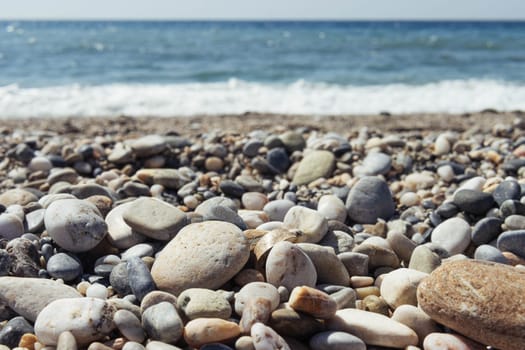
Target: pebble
{"x": 13, "y": 331}
{"x": 311, "y": 223}
{"x": 489, "y": 253}
{"x": 278, "y": 209}
{"x": 28, "y": 296}
{"x": 368, "y": 200}
{"x": 486, "y": 230}
{"x": 11, "y": 226}
{"x": 203, "y": 303}
{"x": 162, "y": 322}
{"x": 414, "y": 318}
{"x": 356, "y": 263}
{"x": 64, "y": 266}
{"x": 265, "y": 338}
{"x": 88, "y": 319}
{"x": 231, "y": 189}
{"x": 315, "y": 165}
{"x": 75, "y": 225}
{"x": 379, "y": 253}
{"x": 154, "y": 218}
{"x": 290, "y": 323}
{"x": 129, "y": 325}
{"x": 331, "y": 340}
{"x": 209, "y": 330}
{"x": 202, "y": 255}
{"x": 328, "y": 266}
{"x": 139, "y": 277}
{"x": 313, "y": 302}
{"x": 278, "y": 159}
{"x": 507, "y": 190}
{"x": 66, "y": 341}
{"x": 17, "y": 196}
{"x": 399, "y": 287}
{"x": 332, "y": 208}
{"x": 373, "y": 328}
{"x": 287, "y": 265}
{"x": 474, "y": 202}
{"x": 148, "y": 145}
{"x": 454, "y": 235}
{"x": 512, "y": 241}
{"x": 375, "y": 163}
{"x": 254, "y": 201}
{"x": 120, "y": 234}
{"x": 256, "y": 290}
{"x": 457, "y": 293}
{"x": 35, "y": 221}
{"x": 424, "y": 259}
{"x": 438, "y": 341}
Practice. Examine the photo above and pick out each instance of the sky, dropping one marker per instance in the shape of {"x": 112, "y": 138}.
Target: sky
{"x": 263, "y": 9}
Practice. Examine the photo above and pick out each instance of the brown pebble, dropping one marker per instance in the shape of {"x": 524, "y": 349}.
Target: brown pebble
{"x": 313, "y": 302}
{"x": 28, "y": 341}
{"x": 366, "y": 291}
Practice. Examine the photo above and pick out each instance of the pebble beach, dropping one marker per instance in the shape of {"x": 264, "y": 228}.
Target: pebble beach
{"x": 263, "y": 232}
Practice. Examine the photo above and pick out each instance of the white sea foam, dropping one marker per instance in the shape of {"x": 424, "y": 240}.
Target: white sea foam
{"x": 235, "y": 96}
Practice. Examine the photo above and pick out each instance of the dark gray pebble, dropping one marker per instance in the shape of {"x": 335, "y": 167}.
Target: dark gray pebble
{"x": 118, "y": 279}
{"x": 512, "y": 207}
{"x": 231, "y": 188}
{"x": 507, "y": 190}
{"x": 278, "y": 159}
{"x": 489, "y": 253}
{"x": 512, "y": 241}
{"x": 474, "y": 202}
{"x": 251, "y": 148}
{"x": 64, "y": 266}
{"x": 486, "y": 230}
{"x": 139, "y": 276}
{"x": 14, "y": 329}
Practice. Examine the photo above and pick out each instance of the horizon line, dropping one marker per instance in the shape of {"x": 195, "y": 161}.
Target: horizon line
{"x": 137, "y": 19}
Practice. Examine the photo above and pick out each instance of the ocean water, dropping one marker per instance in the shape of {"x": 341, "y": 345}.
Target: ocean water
{"x": 77, "y": 68}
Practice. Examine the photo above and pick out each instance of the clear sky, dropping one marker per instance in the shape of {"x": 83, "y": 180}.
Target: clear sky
{"x": 262, "y": 9}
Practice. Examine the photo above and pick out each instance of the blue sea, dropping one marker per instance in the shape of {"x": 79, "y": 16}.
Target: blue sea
{"x": 109, "y": 68}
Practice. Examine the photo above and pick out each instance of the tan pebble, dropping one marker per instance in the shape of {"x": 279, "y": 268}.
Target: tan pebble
{"x": 400, "y": 286}
{"x": 376, "y": 304}
{"x": 313, "y": 302}
{"x": 247, "y": 276}
{"x": 366, "y": 291}
{"x": 213, "y": 163}
{"x": 513, "y": 259}
{"x": 255, "y": 310}
{"x": 66, "y": 341}
{"x": 28, "y": 341}
{"x": 439, "y": 341}
{"x": 98, "y": 346}
{"x": 416, "y": 319}
{"x": 409, "y": 199}
{"x": 265, "y": 338}
{"x": 494, "y": 157}
{"x": 83, "y": 286}
{"x": 361, "y": 281}
{"x": 209, "y": 330}
{"x": 156, "y": 297}
{"x": 244, "y": 343}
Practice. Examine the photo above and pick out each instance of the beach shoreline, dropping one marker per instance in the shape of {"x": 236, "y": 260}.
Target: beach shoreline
{"x": 249, "y": 121}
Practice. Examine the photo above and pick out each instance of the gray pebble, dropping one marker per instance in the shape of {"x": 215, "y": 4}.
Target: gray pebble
{"x": 162, "y": 322}
{"x": 64, "y": 266}
{"x": 139, "y": 276}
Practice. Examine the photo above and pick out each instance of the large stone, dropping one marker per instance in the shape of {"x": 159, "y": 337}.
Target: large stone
{"x": 88, "y": 319}
{"x": 312, "y": 224}
{"x": 474, "y": 202}
{"x": 28, "y": 296}
{"x": 315, "y": 164}
{"x": 480, "y": 300}
{"x": 373, "y": 328}
{"x": 203, "y": 303}
{"x": 370, "y": 199}
{"x": 202, "y": 255}
{"x": 120, "y": 234}
{"x": 75, "y": 225}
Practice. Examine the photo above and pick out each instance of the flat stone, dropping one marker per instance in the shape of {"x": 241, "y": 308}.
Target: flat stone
{"x": 23, "y": 258}
{"x": 287, "y": 265}
{"x": 315, "y": 164}
{"x": 162, "y": 322}
{"x": 35, "y": 221}
{"x": 11, "y": 226}
{"x": 75, "y": 225}
{"x": 480, "y": 300}
{"x": 373, "y": 328}
{"x": 379, "y": 253}
{"x": 453, "y": 234}
{"x": 332, "y": 208}
{"x": 202, "y": 255}
{"x": 399, "y": 287}
{"x": 169, "y": 178}
{"x": 209, "y": 330}
{"x": 17, "y": 196}
{"x": 254, "y": 201}
{"x": 225, "y": 214}
{"x": 332, "y": 340}
{"x": 368, "y": 200}
{"x": 438, "y": 341}
{"x": 154, "y": 218}
{"x": 417, "y": 181}
{"x": 28, "y": 296}
{"x": 121, "y": 155}
{"x": 401, "y": 245}
{"x": 515, "y": 222}
{"x": 328, "y": 266}
{"x": 64, "y": 266}
{"x": 512, "y": 241}
{"x": 148, "y": 145}
{"x": 474, "y": 202}
{"x": 88, "y": 319}
{"x": 508, "y": 189}
{"x": 120, "y": 234}
{"x": 203, "y": 303}
{"x": 292, "y": 140}
{"x": 231, "y": 188}
{"x": 313, "y": 302}
{"x": 311, "y": 223}
{"x": 204, "y": 207}
{"x": 251, "y": 148}
{"x": 486, "y": 230}
{"x": 340, "y": 241}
